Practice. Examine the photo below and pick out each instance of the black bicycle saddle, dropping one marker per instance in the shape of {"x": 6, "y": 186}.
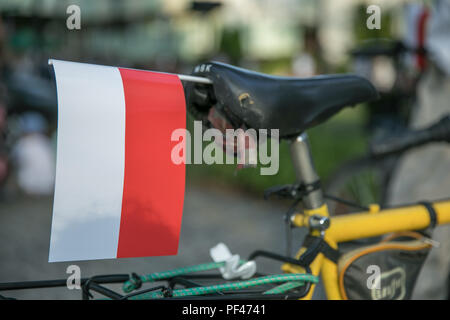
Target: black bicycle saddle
{"x": 291, "y": 105}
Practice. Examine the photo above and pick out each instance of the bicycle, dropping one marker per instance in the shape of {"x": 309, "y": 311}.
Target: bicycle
{"x": 365, "y": 180}
{"x": 319, "y": 254}
{"x": 388, "y": 117}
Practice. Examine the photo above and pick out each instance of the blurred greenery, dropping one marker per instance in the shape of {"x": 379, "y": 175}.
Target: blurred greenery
{"x": 230, "y": 44}
{"x": 332, "y": 142}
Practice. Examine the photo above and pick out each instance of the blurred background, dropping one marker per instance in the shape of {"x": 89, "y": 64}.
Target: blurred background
{"x": 300, "y": 38}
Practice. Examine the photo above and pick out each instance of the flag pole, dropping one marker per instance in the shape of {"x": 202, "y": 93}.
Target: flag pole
{"x": 182, "y": 77}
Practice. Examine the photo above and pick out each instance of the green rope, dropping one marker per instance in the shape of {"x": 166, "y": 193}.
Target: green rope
{"x": 232, "y": 286}
{"x": 130, "y": 285}
{"x": 285, "y": 287}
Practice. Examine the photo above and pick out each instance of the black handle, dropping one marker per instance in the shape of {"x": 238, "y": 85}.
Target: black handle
{"x": 437, "y": 132}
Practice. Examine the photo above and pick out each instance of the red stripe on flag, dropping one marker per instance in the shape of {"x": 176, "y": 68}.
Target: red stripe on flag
{"x": 153, "y": 191}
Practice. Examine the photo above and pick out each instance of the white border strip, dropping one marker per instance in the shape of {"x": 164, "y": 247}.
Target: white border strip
{"x": 90, "y": 162}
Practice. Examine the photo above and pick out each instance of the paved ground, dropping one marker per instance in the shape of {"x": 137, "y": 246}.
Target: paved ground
{"x": 210, "y": 216}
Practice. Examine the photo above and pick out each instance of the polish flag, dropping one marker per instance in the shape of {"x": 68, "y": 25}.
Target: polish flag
{"x": 117, "y": 192}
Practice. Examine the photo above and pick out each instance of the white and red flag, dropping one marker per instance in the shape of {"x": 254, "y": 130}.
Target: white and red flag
{"x": 117, "y": 192}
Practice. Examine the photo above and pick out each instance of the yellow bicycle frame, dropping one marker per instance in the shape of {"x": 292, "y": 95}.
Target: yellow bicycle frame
{"x": 358, "y": 226}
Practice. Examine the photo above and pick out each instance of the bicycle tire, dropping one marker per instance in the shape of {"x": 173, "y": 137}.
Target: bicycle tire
{"x": 361, "y": 181}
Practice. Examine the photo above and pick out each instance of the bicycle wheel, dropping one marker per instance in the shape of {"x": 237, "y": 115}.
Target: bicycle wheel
{"x": 359, "y": 183}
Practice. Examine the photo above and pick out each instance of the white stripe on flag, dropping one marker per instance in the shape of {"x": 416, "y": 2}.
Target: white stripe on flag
{"x": 88, "y": 192}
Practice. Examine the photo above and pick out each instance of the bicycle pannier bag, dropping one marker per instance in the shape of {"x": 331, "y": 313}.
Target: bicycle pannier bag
{"x": 385, "y": 270}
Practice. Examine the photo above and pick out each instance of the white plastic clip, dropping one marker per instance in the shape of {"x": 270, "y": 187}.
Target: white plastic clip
{"x": 232, "y": 270}
{"x": 432, "y": 242}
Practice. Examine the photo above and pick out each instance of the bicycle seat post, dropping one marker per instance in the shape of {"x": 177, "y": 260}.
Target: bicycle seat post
{"x": 305, "y": 171}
